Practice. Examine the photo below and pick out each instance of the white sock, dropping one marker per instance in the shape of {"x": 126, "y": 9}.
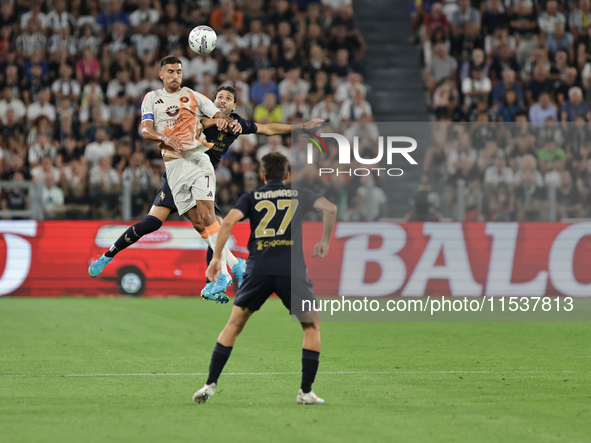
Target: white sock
{"x": 212, "y": 241}
{"x": 232, "y": 261}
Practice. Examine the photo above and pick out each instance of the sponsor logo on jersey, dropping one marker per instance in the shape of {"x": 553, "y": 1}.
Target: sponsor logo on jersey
{"x": 221, "y": 135}
{"x": 159, "y": 102}
{"x": 172, "y": 111}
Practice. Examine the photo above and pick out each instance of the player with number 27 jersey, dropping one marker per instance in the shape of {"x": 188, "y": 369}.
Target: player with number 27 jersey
{"x": 276, "y": 214}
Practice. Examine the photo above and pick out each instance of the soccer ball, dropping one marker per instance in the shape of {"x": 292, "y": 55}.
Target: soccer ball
{"x": 202, "y": 39}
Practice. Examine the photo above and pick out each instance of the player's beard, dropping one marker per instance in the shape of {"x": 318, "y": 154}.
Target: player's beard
{"x": 174, "y": 87}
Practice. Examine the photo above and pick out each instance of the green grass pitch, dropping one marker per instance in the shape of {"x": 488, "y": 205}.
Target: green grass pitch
{"x": 124, "y": 370}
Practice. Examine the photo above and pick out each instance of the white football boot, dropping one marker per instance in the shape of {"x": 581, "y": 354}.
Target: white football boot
{"x": 205, "y": 393}
{"x": 309, "y": 399}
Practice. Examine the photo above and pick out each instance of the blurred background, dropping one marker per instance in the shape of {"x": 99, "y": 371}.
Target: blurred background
{"x": 73, "y": 75}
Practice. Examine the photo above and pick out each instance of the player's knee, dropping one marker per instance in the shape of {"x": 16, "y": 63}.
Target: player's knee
{"x": 311, "y": 326}
{"x": 147, "y": 225}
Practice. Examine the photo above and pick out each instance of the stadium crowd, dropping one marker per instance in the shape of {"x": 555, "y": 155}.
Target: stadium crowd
{"x": 509, "y": 84}
{"x": 73, "y": 74}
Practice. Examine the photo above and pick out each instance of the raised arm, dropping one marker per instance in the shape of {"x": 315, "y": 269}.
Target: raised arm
{"x": 329, "y": 217}
{"x": 278, "y": 128}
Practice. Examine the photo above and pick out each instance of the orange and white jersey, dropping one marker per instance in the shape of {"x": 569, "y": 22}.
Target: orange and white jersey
{"x": 179, "y": 114}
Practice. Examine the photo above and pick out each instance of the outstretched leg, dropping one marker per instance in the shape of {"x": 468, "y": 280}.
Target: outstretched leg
{"x": 152, "y": 222}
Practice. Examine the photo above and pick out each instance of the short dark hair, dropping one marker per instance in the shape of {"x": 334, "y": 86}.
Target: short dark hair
{"x": 170, "y": 60}
{"x": 230, "y": 89}
{"x": 274, "y": 166}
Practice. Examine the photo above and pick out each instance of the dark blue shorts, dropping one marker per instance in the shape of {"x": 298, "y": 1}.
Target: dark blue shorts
{"x": 164, "y": 198}
{"x": 256, "y": 289}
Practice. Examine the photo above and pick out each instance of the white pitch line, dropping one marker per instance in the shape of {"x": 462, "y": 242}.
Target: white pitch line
{"x": 190, "y": 374}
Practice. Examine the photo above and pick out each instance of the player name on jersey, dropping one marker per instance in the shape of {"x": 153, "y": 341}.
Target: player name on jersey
{"x": 275, "y": 194}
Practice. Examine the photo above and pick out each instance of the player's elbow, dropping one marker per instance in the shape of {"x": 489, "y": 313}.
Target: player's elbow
{"x": 331, "y": 209}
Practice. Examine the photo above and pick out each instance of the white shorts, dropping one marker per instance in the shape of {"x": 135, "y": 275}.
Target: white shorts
{"x": 190, "y": 179}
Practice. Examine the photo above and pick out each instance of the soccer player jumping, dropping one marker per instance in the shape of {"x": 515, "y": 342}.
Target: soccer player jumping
{"x": 163, "y": 204}
{"x": 275, "y": 265}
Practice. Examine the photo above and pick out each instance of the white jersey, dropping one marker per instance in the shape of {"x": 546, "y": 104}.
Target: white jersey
{"x": 179, "y": 114}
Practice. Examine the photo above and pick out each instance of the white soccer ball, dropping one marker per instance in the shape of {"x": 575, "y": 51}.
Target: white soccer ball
{"x": 202, "y": 39}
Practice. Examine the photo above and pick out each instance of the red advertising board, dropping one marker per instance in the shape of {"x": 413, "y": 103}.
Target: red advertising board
{"x": 51, "y": 258}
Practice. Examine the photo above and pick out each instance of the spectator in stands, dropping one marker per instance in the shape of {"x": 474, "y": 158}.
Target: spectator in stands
{"x": 568, "y": 200}
{"x": 540, "y": 83}
{"x": 425, "y": 204}
{"x": 12, "y": 128}
{"x": 475, "y": 88}
{"x": 433, "y": 20}
{"x": 524, "y": 26}
{"x": 141, "y": 181}
{"x": 65, "y": 87}
{"x": 579, "y": 144}
{"x": 531, "y": 199}
{"x": 438, "y": 36}
{"x": 561, "y": 89}
{"x": 292, "y": 84}
{"x": 101, "y": 148}
{"x": 548, "y": 153}
{"x": 112, "y": 14}
{"x": 542, "y": 109}
{"x": 478, "y": 59}
{"x": 498, "y": 173}
{"x": 143, "y": 14}
{"x": 558, "y": 68}
{"x": 580, "y": 19}
{"x": 548, "y": 19}
{"x": 462, "y": 150}
{"x": 371, "y": 202}
{"x": 296, "y": 107}
{"x": 274, "y": 144}
{"x": 504, "y": 61}
{"x": 320, "y": 87}
{"x": 328, "y": 110}
{"x": 9, "y": 101}
{"x": 494, "y": 17}
{"x": 268, "y": 111}
{"x": 104, "y": 186}
{"x": 52, "y": 197}
{"x": 464, "y": 15}
{"x": 442, "y": 66}
{"x": 509, "y": 106}
{"x": 30, "y": 40}
{"x": 39, "y": 172}
{"x": 88, "y": 68}
{"x": 59, "y": 18}
{"x": 226, "y": 15}
{"x": 560, "y": 40}
{"x": 575, "y": 106}
{"x": 353, "y": 109}
{"x": 42, "y": 148}
{"x": 14, "y": 199}
{"x": 508, "y": 82}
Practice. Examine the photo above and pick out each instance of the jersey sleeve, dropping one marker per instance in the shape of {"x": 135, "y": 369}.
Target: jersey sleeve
{"x": 148, "y": 107}
{"x": 248, "y": 127}
{"x": 206, "y": 106}
{"x": 307, "y": 199}
{"x": 244, "y": 205}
